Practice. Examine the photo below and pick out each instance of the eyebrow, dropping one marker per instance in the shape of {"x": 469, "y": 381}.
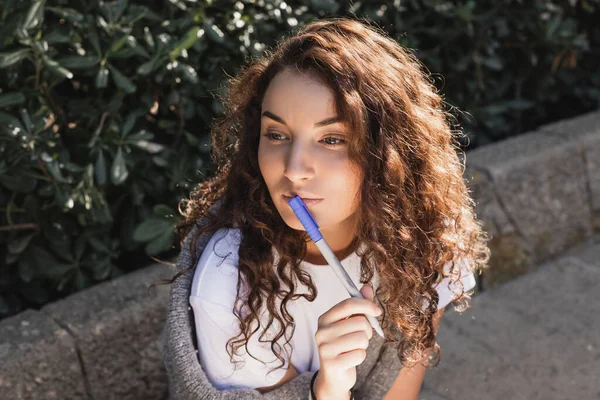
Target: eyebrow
{"x": 325, "y": 122}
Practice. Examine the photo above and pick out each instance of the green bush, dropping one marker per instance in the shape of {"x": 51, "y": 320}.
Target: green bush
{"x": 105, "y": 109}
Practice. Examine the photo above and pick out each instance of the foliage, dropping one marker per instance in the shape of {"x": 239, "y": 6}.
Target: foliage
{"x": 105, "y": 108}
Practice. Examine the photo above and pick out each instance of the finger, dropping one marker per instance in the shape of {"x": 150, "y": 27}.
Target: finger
{"x": 349, "y": 360}
{"x": 344, "y": 344}
{"x": 355, "y": 323}
{"x": 346, "y": 308}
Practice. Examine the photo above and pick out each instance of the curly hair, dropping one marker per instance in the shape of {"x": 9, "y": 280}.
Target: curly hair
{"x": 415, "y": 213}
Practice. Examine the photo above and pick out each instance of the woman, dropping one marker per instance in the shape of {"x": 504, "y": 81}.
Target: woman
{"x": 344, "y": 117}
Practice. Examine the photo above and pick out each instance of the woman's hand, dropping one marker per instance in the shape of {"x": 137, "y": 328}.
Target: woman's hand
{"x": 342, "y": 338}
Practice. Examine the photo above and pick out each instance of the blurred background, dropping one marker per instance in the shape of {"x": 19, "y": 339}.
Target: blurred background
{"x": 105, "y": 109}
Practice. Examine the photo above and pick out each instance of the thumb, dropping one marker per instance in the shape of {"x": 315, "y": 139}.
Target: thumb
{"x": 367, "y": 292}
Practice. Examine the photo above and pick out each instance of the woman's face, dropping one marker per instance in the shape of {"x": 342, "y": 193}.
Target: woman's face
{"x": 303, "y": 151}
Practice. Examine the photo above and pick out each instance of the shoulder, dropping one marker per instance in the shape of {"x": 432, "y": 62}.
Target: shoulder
{"x": 214, "y": 290}
{"x": 216, "y": 273}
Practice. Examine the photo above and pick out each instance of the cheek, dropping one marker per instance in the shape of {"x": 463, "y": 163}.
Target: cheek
{"x": 354, "y": 179}
{"x": 267, "y": 163}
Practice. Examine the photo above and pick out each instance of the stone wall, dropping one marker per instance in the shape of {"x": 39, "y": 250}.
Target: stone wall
{"x": 538, "y": 194}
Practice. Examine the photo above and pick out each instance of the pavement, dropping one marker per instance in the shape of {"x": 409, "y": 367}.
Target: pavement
{"x": 535, "y": 337}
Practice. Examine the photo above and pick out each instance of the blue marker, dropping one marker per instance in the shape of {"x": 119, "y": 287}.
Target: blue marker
{"x": 312, "y": 228}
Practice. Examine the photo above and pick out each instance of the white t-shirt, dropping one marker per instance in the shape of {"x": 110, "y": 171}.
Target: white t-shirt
{"x": 212, "y": 299}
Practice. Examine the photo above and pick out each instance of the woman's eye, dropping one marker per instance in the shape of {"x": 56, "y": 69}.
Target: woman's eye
{"x": 274, "y": 136}
{"x": 334, "y": 141}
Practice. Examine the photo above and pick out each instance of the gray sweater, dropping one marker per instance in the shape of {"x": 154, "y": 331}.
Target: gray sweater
{"x": 188, "y": 381}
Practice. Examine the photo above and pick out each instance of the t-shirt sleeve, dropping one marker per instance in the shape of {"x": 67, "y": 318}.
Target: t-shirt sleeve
{"x": 448, "y": 290}
{"x": 212, "y": 298}
{"x": 215, "y": 325}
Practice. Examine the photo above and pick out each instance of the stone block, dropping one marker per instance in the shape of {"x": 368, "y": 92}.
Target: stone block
{"x": 585, "y": 132}
{"x": 539, "y": 181}
{"x": 511, "y": 254}
{"x": 38, "y": 360}
{"x": 117, "y": 326}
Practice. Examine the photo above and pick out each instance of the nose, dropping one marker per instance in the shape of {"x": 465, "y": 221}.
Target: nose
{"x": 299, "y": 164}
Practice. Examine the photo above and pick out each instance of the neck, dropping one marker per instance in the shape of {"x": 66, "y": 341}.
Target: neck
{"x": 314, "y": 256}
{"x": 341, "y": 245}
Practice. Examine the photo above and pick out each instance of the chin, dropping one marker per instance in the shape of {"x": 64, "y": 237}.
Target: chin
{"x": 293, "y": 222}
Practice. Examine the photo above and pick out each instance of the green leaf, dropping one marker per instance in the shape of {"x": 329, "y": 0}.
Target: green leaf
{"x": 9, "y": 123}
{"x": 191, "y": 139}
{"x": 8, "y": 59}
{"x": 151, "y": 229}
{"x": 187, "y": 41}
{"x": 19, "y": 244}
{"x": 124, "y": 53}
{"x": 93, "y": 34}
{"x": 162, "y": 243}
{"x": 146, "y": 67}
{"x": 82, "y": 281}
{"x": 122, "y": 81}
{"x": 148, "y": 37}
{"x": 54, "y": 171}
{"x": 100, "y": 168}
{"x": 189, "y": 74}
{"x": 79, "y": 62}
{"x": 56, "y": 37}
{"x": 118, "y": 172}
{"x": 140, "y": 135}
{"x": 102, "y": 269}
{"x": 213, "y": 32}
{"x": 56, "y": 68}
{"x": 80, "y": 247}
{"x": 102, "y": 77}
{"x": 38, "y": 262}
{"x": 99, "y": 245}
{"x": 494, "y": 63}
{"x": 26, "y": 267}
{"x": 162, "y": 211}
{"x": 26, "y": 120}
{"x": 11, "y": 99}
{"x": 137, "y": 49}
{"x": 19, "y": 184}
{"x": 113, "y": 10}
{"x": 67, "y": 13}
{"x": 150, "y": 147}
{"x": 34, "y": 16}
{"x": 552, "y": 26}
{"x": 117, "y": 44}
{"x": 135, "y": 13}
{"x": 129, "y": 123}
{"x": 11, "y": 258}
{"x": 54, "y": 271}
{"x": 62, "y": 283}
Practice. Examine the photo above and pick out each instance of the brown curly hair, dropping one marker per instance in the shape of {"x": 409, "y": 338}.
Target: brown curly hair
{"x": 415, "y": 215}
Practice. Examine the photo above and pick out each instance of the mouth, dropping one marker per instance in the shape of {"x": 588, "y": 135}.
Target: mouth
{"x": 308, "y": 202}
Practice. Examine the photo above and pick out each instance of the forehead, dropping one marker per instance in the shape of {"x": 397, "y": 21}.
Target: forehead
{"x": 293, "y": 92}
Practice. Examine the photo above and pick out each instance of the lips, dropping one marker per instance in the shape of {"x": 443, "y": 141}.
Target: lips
{"x": 303, "y": 196}
{"x": 307, "y": 201}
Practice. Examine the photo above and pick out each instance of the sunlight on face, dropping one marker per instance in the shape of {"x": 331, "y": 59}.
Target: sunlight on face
{"x": 303, "y": 150}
